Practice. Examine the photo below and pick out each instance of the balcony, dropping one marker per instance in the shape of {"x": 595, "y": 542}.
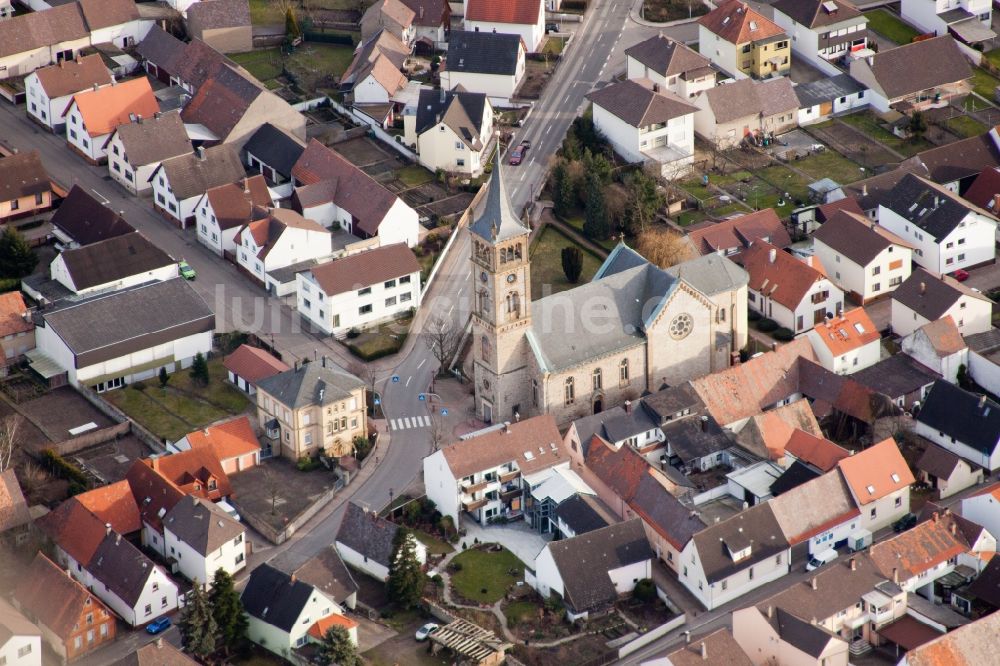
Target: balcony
{"x": 473, "y": 504}
{"x": 509, "y": 492}
{"x": 473, "y": 487}
{"x": 509, "y": 476}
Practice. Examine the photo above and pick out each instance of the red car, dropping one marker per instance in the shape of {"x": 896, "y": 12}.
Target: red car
{"x": 517, "y": 154}
{"x": 961, "y": 275}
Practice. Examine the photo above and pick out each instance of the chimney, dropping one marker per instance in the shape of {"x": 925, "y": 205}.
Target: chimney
{"x": 895, "y": 575}
{"x": 953, "y": 528}
{"x": 923, "y": 288}
{"x": 157, "y": 115}
{"x": 656, "y": 87}
{"x": 96, "y": 86}
{"x": 107, "y": 528}
{"x": 996, "y": 202}
{"x": 506, "y": 427}
{"x": 864, "y": 190}
{"x": 772, "y": 254}
{"x": 812, "y": 582}
{"x": 809, "y": 261}
{"x": 69, "y": 574}
{"x": 704, "y": 651}
{"x": 138, "y": 118}
{"x": 770, "y": 611}
{"x": 854, "y": 564}
{"x": 118, "y": 539}
{"x": 292, "y": 579}
{"x": 246, "y": 185}
{"x": 704, "y": 424}
{"x": 982, "y": 401}
{"x": 131, "y": 117}
{"x": 421, "y": 12}
{"x": 628, "y": 406}
{"x": 687, "y": 636}
{"x": 201, "y": 152}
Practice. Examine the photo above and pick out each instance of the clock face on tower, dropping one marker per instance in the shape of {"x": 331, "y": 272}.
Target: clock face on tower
{"x": 511, "y": 278}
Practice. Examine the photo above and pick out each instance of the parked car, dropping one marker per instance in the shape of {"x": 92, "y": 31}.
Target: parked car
{"x": 184, "y": 268}
{"x": 821, "y": 558}
{"x": 961, "y": 275}
{"x": 425, "y": 631}
{"x": 904, "y": 523}
{"x": 158, "y": 626}
{"x": 518, "y": 153}
{"x": 551, "y": 27}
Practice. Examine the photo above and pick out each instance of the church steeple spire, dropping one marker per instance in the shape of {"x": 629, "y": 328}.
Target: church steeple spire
{"x": 497, "y": 222}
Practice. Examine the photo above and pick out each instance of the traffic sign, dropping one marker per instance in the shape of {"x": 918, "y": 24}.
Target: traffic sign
{"x": 421, "y": 397}
{"x": 395, "y": 379}
{"x": 378, "y": 401}
{"x": 444, "y": 412}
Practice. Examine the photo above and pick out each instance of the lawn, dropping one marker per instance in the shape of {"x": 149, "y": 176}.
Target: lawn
{"x": 546, "y": 263}
{"x": 414, "y": 175}
{"x": 434, "y": 545}
{"x": 868, "y": 123}
{"x": 891, "y": 26}
{"x": 263, "y": 12}
{"x": 381, "y": 340}
{"x": 786, "y": 180}
{"x": 577, "y": 223}
{"x": 671, "y": 10}
{"x": 485, "y": 576}
{"x": 993, "y": 56}
{"x": 265, "y": 64}
{"x": 520, "y": 611}
{"x": 829, "y": 164}
{"x": 553, "y": 45}
{"x": 984, "y": 83}
{"x": 964, "y": 126}
{"x": 314, "y": 65}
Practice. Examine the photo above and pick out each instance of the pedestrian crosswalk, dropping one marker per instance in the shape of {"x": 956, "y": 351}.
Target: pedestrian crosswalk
{"x": 407, "y": 422}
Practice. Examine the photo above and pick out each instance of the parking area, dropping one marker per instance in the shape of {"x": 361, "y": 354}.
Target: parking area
{"x": 365, "y": 153}
{"x": 61, "y": 411}
{"x": 275, "y": 492}
{"x": 109, "y": 462}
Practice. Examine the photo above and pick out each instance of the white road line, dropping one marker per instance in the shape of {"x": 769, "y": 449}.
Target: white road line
{"x": 523, "y": 174}
{"x": 427, "y": 421}
{"x": 420, "y": 365}
{"x": 408, "y": 379}
{"x": 407, "y": 421}
{"x": 449, "y": 314}
{"x": 104, "y": 199}
{"x": 513, "y": 192}
{"x": 566, "y": 101}
{"x": 548, "y": 129}
{"x": 395, "y": 424}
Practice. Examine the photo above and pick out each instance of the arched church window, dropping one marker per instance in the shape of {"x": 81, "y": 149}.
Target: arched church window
{"x": 486, "y": 349}
{"x": 570, "y": 391}
{"x": 598, "y": 379}
{"x": 623, "y": 372}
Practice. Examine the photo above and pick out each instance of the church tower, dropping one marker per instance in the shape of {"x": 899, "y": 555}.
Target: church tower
{"x": 501, "y": 314}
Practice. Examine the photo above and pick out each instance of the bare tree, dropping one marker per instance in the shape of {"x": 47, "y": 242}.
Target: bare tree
{"x": 438, "y": 432}
{"x": 366, "y": 373}
{"x": 272, "y": 488}
{"x": 9, "y": 429}
{"x": 442, "y": 339}
{"x": 663, "y": 247}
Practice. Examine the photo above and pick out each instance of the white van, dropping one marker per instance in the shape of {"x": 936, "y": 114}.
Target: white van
{"x": 821, "y": 558}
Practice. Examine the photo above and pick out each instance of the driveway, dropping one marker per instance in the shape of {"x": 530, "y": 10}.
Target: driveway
{"x": 519, "y": 538}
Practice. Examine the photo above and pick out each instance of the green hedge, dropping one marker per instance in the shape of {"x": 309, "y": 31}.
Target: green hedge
{"x": 766, "y": 325}
{"x": 783, "y": 334}
{"x": 329, "y": 38}
{"x": 376, "y": 354}
{"x": 9, "y": 284}
{"x": 63, "y": 468}
{"x": 753, "y": 315}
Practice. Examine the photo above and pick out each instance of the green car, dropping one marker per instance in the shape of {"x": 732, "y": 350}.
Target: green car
{"x": 185, "y": 270}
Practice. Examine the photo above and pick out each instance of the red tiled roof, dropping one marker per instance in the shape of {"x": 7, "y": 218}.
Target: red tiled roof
{"x": 114, "y": 504}
{"x": 365, "y": 269}
{"x": 919, "y": 549}
{"x": 739, "y": 232}
{"x": 52, "y": 596}
{"x": 876, "y": 472}
{"x": 192, "y": 471}
{"x": 816, "y": 451}
{"x": 74, "y": 529}
{"x": 106, "y": 108}
{"x": 12, "y": 311}
{"x": 737, "y": 23}
{"x": 783, "y": 278}
{"x": 253, "y": 364}
{"x": 154, "y": 494}
{"x": 226, "y": 440}
{"x": 321, "y": 626}
{"x": 944, "y": 336}
{"x": 524, "y": 12}
{"x": 847, "y": 204}
{"x": 850, "y": 331}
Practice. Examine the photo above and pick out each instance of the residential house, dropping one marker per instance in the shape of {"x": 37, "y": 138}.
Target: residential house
{"x": 197, "y": 471}
{"x": 744, "y": 110}
{"x": 367, "y": 542}
{"x": 577, "y": 515}
{"x": 822, "y": 32}
{"x": 451, "y": 131}
{"x": 25, "y": 187}
{"x": 946, "y": 231}
{"x": 375, "y": 73}
{"x": 20, "y": 640}
{"x": 50, "y": 89}
{"x": 730, "y": 238}
{"x": 924, "y": 298}
{"x": 283, "y": 611}
{"x": 970, "y": 644}
{"x": 17, "y": 330}
{"x": 281, "y": 239}
{"x": 179, "y": 183}
{"x": 231, "y": 105}
{"x": 984, "y": 359}
{"x": 795, "y": 293}
{"x": 671, "y": 64}
{"x": 866, "y": 260}
{"x": 524, "y": 18}
{"x": 334, "y": 192}
{"x": 591, "y": 571}
{"x": 15, "y": 520}
{"x": 184, "y": 64}
{"x": 743, "y": 42}
{"x": 846, "y": 342}
{"x": 647, "y": 124}
{"x": 248, "y": 365}
{"x": 224, "y": 210}
{"x": 92, "y": 116}
{"x": 205, "y": 538}
{"x": 160, "y": 53}
{"x": 116, "y": 22}
{"x": 730, "y": 558}
{"x": 360, "y": 290}
{"x": 157, "y": 653}
{"x": 112, "y": 264}
{"x": 818, "y": 514}
{"x": 327, "y": 572}
{"x": 962, "y": 422}
{"x": 488, "y": 472}
{"x": 790, "y": 434}
{"x": 822, "y": 99}
{"x": 81, "y": 220}
{"x": 311, "y": 410}
{"x": 921, "y": 73}
{"x": 114, "y": 339}
{"x": 844, "y": 406}
{"x": 982, "y": 596}
{"x": 719, "y": 644}
{"x": 273, "y": 152}
{"x": 233, "y": 443}
{"x": 983, "y": 508}
{"x": 945, "y": 472}
{"x": 956, "y": 166}
{"x": 901, "y": 378}
{"x": 137, "y": 148}
{"x": 72, "y": 620}
{"x": 879, "y": 479}
{"x": 393, "y": 16}
{"x": 431, "y": 23}
{"x": 968, "y": 20}
{"x": 115, "y": 505}
{"x": 153, "y": 495}
{"x": 809, "y": 218}
{"x": 484, "y": 62}
{"x": 939, "y": 346}
{"x": 222, "y": 24}
{"x": 985, "y": 190}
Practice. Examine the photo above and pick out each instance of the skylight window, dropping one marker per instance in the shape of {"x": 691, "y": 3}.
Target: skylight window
{"x": 871, "y": 490}
{"x": 528, "y": 455}
{"x": 895, "y": 477}
{"x": 753, "y": 25}
{"x": 859, "y": 328}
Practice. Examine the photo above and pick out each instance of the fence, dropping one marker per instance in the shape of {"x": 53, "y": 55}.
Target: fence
{"x": 374, "y": 127}
{"x": 709, "y": 495}
{"x": 85, "y": 441}
{"x": 651, "y": 636}
{"x": 117, "y": 415}
{"x": 330, "y": 37}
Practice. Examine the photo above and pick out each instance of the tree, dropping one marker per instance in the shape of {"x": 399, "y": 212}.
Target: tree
{"x": 17, "y": 258}
{"x": 598, "y": 165}
{"x": 563, "y": 196}
{"x": 438, "y": 431}
{"x": 292, "y": 31}
{"x": 271, "y": 488}
{"x": 163, "y": 377}
{"x": 917, "y": 126}
{"x": 595, "y": 224}
{"x": 663, "y": 247}
{"x": 197, "y": 626}
{"x": 9, "y": 429}
{"x": 644, "y": 200}
{"x": 227, "y": 611}
{"x": 337, "y": 648}
{"x": 442, "y": 339}
{"x": 406, "y": 580}
{"x": 572, "y": 263}
{"x": 199, "y": 369}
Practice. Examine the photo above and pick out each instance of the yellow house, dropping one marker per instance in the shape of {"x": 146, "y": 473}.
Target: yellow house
{"x": 742, "y": 41}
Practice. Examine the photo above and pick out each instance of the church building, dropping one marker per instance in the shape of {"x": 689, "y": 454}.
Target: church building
{"x": 633, "y": 328}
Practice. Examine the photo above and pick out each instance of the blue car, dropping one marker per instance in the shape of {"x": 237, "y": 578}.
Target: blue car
{"x": 157, "y": 626}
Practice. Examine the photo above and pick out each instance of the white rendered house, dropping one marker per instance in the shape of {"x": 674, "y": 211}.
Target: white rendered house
{"x": 822, "y": 31}
{"x": 221, "y": 212}
{"x": 451, "y": 131}
{"x": 93, "y": 115}
{"x": 50, "y": 89}
{"x": 484, "y": 62}
{"x": 137, "y": 148}
{"x": 179, "y": 182}
{"x": 21, "y": 640}
{"x": 281, "y": 239}
{"x": 847, "y": 342}
{"x": 938, "y": 16}
{"x": 366, "y": 542}
{"x": 203, "y": 539}
{"x": 924, "y": 298}
{"x": 524, "y": 18}
{"x": 671, "y": 64}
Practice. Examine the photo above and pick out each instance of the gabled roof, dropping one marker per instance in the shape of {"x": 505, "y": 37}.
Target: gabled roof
{"x": 875, "y": 472}
{"x": 269, "y": 229}
{"x": 805, "y": 636}
{"x": 814, "y": 507}
{"x": 831, "y": 392}
{"x": 463, "y": 112}
{"x": 919, "y": 549}
{"x": 719, "y": 646}
{"x": 13, "y": 508}
{"x": 228, "y": 439}
{"x": 580, "y": 514}
{"x": 162, "y": 49}
{"x": 121, "y": 568}
{"x": 496, "y": 221}
{"x": 431, "y": 13}
{"x": 113, "y": 504}
{"x": 222, "y": 101}
{"x": 394, "y": 10}
{"x": 201, "y": 524}
{"x": 818, "y": 13}
{"x": 637, "y": 103}
{"x": 849, "y": 331}
{"x": 72, "y": 76}
{"x": 27, "y": 32}
{"x": 534, "y": 444}
{"x": 366, "y": 533}
{"x": 322, "y": 626}
{"x": 384, "y": 43}
{"x": 196, "y": 173}
{"x": 13, "y": 311}
{"x": 157, "y": 653}
{"x": 523, "y": 12}
{"x": 748, "y": 97}
{"x": 327, "y": 572}
{"x": 219, "y": 14}
{"x": 253, "y": 364}
{"x": 794, "y": 476}
{"x": 154, "y": 493}
{"x": 113, "y": 259}
{"x": 984, "y": 190}
{"x": 199, "y": 63}
{"x": 12, "y": 623}
{"x": 274, "y": 597}
{"x": 106, "y": 108}
{"x": 731, "y": 237}
{"x": 962, "y": 159}
{"x": 584, "y": 562}
{"x": 191, "y": 471}
{"x": 365, "y": 269}
{"x": 483, "y": 52}
{"x": 986, "y": 587}
{"x": 54, "y": 598}
{"x": 756, "y": 528}
{"x": 735, "y": 22}
{"x": 778, "y": 275}
{"x": 938, "y": 461}
{"x": 668, "y": 57}
{"x": 663, "y": 512}
{"x": 155, "y": 139}
{"x": 971, "y": 419}
{"x": 929, "y": 206}
{"x": 817, "y": 451}
{"x": 943, "y": 336}
{"x": 857, "y": 238}
{"x": 106, "y": 13}
{"x": 908, "y": 69}
{"x": 310, "y": 384}
{"x": 711, "y": 274}
{"x": 236, "y": 204}
{"x": 932, "y": 296}
{"x": 74, "y": 529}
{"x": 86, "y": 220}
{"x": 275, "y": 147}
{"x": 22, "y": 175}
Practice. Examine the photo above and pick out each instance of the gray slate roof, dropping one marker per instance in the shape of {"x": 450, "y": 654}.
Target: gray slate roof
{"x": 121, "y": 567}
{"x": 275, "y": 148}
{"x": 667, "y": 57}
{"x": 637, "y": 104}
{"x": 310, "y": 384}
{"x": 748, "y": 97}
{"x": 584, "y": 561}
{"x": 192, "y": 175}
{"x": 692, "y": 438}
{"x": 113, "y": 259}
{"x": 930, "y": 296}
{"x": 215, "y": 14}
{"x": 919, "y": 66}
{"x": 497, "y": 221}
{"x": 579, "y": 514}
{"x": 711, "y": 274}
{"x": 957, "y": 413}
{"x": 927, "y": 205}
{"x": 807, "y": 637}
{"x": 328, "y": 574}
{"x": 896, "y": 376}
{"x": 814, "y": 13}
{"x": 154, "y": 139}
{"x": 273, "y": 597}
{"x": 826, "y": 90}
{"x": 367, "y": 533}
{"x": 161, "y": 48}
{"x": 856, "y": 240}
{"x": 664, "y": 512}
{"x": 461, "y": 111}
{"x": 482, "y": 52}
{"x": 201, "y": 524}
{"x": 86, "y": 220}
{"x": 757, "y": 526}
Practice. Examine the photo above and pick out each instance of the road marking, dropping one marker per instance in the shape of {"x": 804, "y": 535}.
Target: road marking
{"x": 394, "y": 424}
{"x": 513, "y": 192}
{"x": 523, "y": 174}
{"x": 421, "y": 364}
{"x": 449, "y": 314}
{"x": 104, "y": 199}
{"x": 407, "y": 421}
{"x": 548, "y": 129}
{"x": 566, "y": 100}
{"x": 427, "y": 420}
{"x": 408, "y": 379}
